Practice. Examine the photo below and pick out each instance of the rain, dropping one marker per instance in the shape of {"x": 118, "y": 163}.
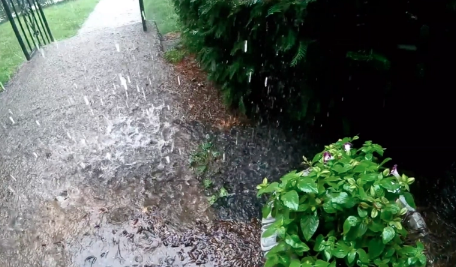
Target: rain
{"x": 92, "y": 176}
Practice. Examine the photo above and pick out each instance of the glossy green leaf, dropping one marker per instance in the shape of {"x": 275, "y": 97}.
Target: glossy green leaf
{"x": 389, "y": 252}
{"x": 389, "y": 184}
{"x": 295, "y": 242}
{"x": 272, "y": 229}
{"x": 386, "y": 215}
{"x": 341, "y": 168}
{"x": 289, "y": 176}
{"x": 363, "y": 257}
{"x": 319, "y": 243}
{"x": 369, "y": 177}
{"x": 291, "y": 200}
{"x": 320, "y": 263}
{"x": 422, "y": 259}
{"x": 270, "y": 188}
{"x": 388, "y": 234}
{"x": 385, "y": 161}
{"x": 309, "y": 225}
{"x": 341, "y": 250}
{"x": 361, "y": 229}
{"x": 265, "y": 211}
{"x": 351, "y": 256}
{"x": 361, "y": 212}
{"x": 295, "y": 263}
{"x": 307, "y": 185}
{"x": 375, "y": 248}
{"x": 409, "y": 199}
{"x": 272, "y": 261}
{"x": 351, "y": 221}
{"x": 284, "y": 259}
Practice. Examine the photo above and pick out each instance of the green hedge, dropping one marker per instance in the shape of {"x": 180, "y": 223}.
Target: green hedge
{"x": 300, "y": 58}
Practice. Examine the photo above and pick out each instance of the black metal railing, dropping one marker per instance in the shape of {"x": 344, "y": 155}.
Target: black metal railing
{"x": 29, "y": 24}
{"x": 143, "y": 14}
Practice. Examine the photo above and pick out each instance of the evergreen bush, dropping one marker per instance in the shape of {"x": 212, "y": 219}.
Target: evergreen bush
{"x": 304, "y": 59}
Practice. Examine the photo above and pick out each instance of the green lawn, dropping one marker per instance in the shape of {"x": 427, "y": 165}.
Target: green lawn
{"x": 64, "y": 20}
{"x": 162, "y": 12}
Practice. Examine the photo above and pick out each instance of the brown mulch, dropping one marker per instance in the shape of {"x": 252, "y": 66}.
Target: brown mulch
{"x": 202, "y": 100}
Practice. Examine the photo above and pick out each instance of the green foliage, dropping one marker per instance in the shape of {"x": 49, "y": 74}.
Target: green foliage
{"x": 342, "y": 210}
{"x": 175, "y": 55}
{"x": 312, "y": 52}
{"x": 222, "y": 192}
{"x": 201, "y": 159}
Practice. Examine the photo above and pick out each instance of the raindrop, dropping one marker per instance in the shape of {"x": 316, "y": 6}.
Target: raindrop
{"x": 11, "y": 189}
{"x": 321, "y": 125}
{"x": 128, "y": 78}
{"x": 10, "y": 112}
{"x": 11, "y": 119}
{"x": 327, "y": 114}
{"x": 144, "y": 94}
{"x": 178, "y": 80}
{"x": 167, "y": 159}
{"x": 223, "y": 157}
{"x": 1, "y": 85}
{"x": 266, "y": 82}
{"x": 137, "y": 88}
{"x": 342, "y": 99}
{"x": 117, "y": 47}
{"x": 41, "y": 51}
{"x": 250, "y": 77}
{"x": 245, "y": 46}
{"x": 123, "y": 82}
{"x": 86, "y": 101}
{"x": 108, "y": 156}
{"x": 101, "y": 101}
{"x": 34, "y": 154}
{"x": 38, "y": 123}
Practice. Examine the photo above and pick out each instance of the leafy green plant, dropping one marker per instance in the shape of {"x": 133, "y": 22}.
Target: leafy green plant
{"x": 175, "y": 55}
{"x": 207, "y": 183}
{"x": 203, "y": 157}
{"x": 221, "y": 193}
{"x": 342, "y": 210}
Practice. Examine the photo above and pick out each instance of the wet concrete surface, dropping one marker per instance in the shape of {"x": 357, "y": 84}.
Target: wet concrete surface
{"x": 94, "y": 162}
{"x": 112, "y": 14}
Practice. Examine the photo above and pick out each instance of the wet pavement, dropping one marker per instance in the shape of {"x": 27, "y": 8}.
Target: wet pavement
{"x": 94, "y": 160}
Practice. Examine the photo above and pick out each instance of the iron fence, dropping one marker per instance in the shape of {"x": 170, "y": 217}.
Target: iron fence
{"x": 143, "y": 14}
{"x": 29, "y": 24}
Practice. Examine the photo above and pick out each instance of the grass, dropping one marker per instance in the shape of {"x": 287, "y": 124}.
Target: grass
{"x": 64, "y": 19}
{"x": 162, "y": 12}
{"x": 175, "y": 55}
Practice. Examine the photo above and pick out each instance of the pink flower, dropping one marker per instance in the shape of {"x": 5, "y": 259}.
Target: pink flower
{"x": 347, "y": 147}
{"x": 394, "y": 171}
{"x": 327, "y": 156}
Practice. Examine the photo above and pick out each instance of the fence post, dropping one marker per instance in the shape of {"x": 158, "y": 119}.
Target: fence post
{"x": 143, "y": 19}
{"x": 16, "y": 31}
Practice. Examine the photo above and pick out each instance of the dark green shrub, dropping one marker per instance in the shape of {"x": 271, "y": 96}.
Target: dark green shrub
{"x": 293, "y": 57}
{"x": 344, "y": 210}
